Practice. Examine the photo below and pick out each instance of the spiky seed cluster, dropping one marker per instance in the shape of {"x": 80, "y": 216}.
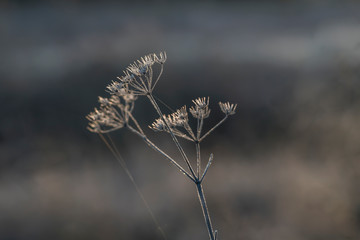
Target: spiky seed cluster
{"x": 227, "y": 108}
{"x": 138, "y": 76}
{"x": 142, "y": 66}
{"x": 201, "y": 109}
{"x": 121, "y": 90}
{"x": 175, "y": 120}
{"x": 158, "y": 125}
{"x": 104, "y": 119}
{"x": 136, "y": 80}
{"x": 180, "y": 118}
{"x": 112, "y": 114}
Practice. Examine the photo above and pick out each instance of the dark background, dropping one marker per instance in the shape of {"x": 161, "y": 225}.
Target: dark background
{"x": 286, "y": 165}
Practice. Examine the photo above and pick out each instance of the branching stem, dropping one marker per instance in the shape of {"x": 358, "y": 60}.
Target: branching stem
{"x": 213, "y": 128}
{"x": 153, "y": 146}
{"x": 205, "y": 210}
{"x": 181, "y": 150}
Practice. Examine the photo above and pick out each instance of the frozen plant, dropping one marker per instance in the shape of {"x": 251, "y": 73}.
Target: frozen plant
{"x": 116, "y": 112}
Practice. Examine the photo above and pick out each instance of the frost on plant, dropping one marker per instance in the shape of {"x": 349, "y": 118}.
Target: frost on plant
{"x": 116, "y": 112}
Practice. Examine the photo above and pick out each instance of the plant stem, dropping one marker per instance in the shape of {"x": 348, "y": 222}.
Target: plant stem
{"x": 213, "y": 128}
{"x": 205, "y": 210}
{"x": 153, "y": 146}
{"x": 198, "y": 160}
{"x": 181, "y": 150}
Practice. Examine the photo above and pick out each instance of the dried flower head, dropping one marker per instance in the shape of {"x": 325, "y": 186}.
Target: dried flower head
{"x": 114, "y": 100}
{"x": 158, "y": 125}
{"x": 116, "y": 88}
{"x": 104, "y": 119}
{"x": 177, "y": 119}
{"x": 104, "y": 101}
{"x": 120, "y": 89}
{"x": 227, "y": 108}
{"x": 139, "y": 75}
{"x": 142, "y": 66}
{"x": 201, "y": 109}
{"x": 180, "y": 117}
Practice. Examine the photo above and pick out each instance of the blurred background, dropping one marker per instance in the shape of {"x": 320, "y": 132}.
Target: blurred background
{"x": 286, "y": 165}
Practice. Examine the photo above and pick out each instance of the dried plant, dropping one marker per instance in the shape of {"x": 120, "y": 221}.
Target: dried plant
{"x": 116, "y": 112}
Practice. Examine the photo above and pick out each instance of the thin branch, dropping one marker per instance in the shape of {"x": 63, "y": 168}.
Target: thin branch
{"x": 200, "y": 127}
{"x": 198, "y": 159}
{"x": 150, "y": 77}
{"x": 110, "y": 130}
{"x": 112, "y": 147}
{"x": 136, "y": 123}
{"x": 189, "y": 130}
{"x": 153, "y": 146}
{"x": 161, "y": 71}
{"x": 162, "y": 102}
{"x": 181, "y": 150}
{"x": 205, "y": 210}
{"x": 143, "y": 83}
{"x": 207, "y": 167}
{"x": 212, "y": 129}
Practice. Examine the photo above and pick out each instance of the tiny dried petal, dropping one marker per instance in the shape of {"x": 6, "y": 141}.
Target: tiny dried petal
{"x": 161, "y": 59}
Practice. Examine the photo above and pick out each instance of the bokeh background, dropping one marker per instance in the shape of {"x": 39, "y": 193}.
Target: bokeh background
{"x": 286, "y": 165}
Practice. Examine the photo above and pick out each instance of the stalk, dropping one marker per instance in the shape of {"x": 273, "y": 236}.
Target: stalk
{"x": 181, "y": 150}
{"x": 205, "y": 210}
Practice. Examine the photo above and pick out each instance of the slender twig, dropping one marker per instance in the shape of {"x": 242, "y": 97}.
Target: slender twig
{"x": 205, "y": 210}
{"x": 207, "y": 167}
{"x": 158, "y": 77}
{"x": 198, "y": 159}
{"x": 213, "y": 128}
{"x": 162, "y": 102}
{"x": 153, "y": 146}
{"x": 136, "y": 123}
{"x": 112, "y": 147}
{"x": 181, "y": 150}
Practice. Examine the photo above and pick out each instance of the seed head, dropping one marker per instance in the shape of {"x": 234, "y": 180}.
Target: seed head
{"x": 127, "y": 78}
{"x": 114, "y": 100}
{"x": 116, "y": 88}
{"x": 180, "y": 117}
{"x": 142, "y": 66}
{"x": 201, "y": 109}
{"x": 227, "y": 108}
{"x": 104, "y": 118}
{"x": 104, "y": 101}
{"x": 158, "y": 125}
